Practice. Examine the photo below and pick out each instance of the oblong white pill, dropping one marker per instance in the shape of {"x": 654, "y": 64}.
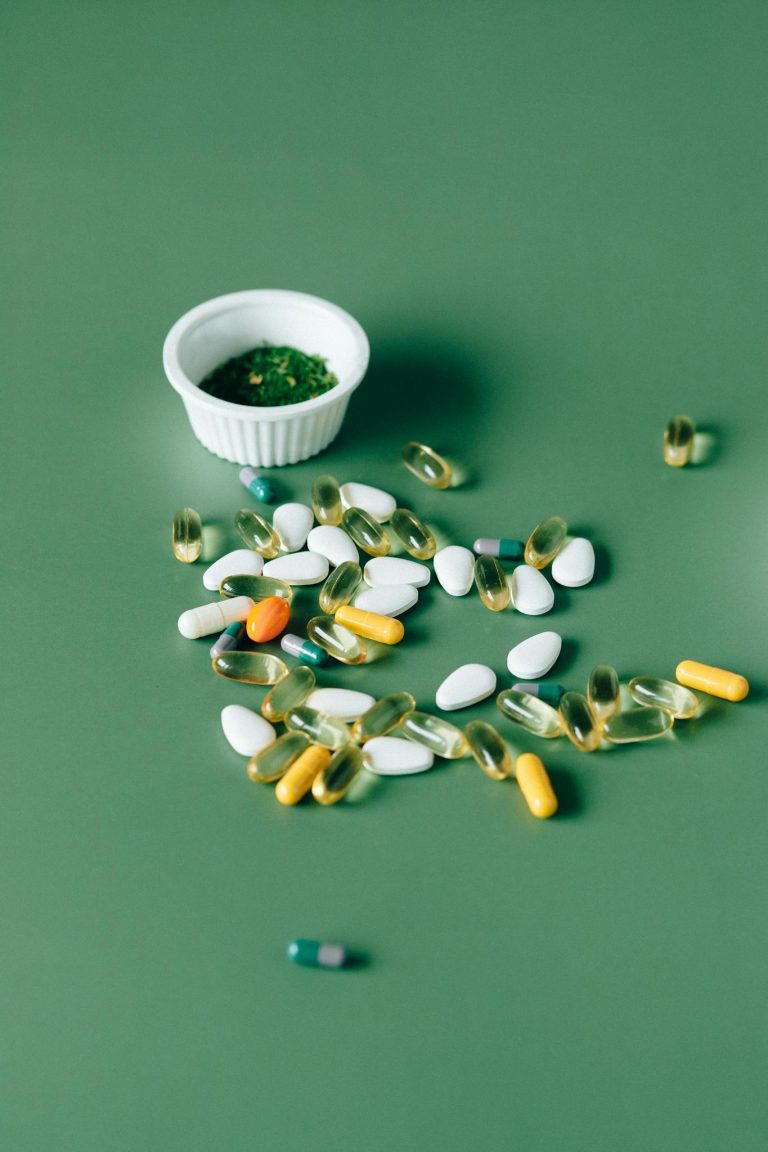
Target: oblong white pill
{"x": 298, "y": 568}
{"x": 333, "y": 543}
{"x": 208, "y": 618}
{"x": 532, "y": 593}
{"x": 246, "y": 730}
{"x": 389, "y": 600}
{"x": 466, "y": 685}
{"x": 343, "y": 703}
{"x": 390, "y": 756}
{"x": 574, "y": 565}
{"x": 455, "y": 569}
{"x": 292, "y": 523}
{"x": 374, "y": 501}
{"x": 535, "y": 656}
{"x": 241, "y": 562}
{"x": 383, "y": 570}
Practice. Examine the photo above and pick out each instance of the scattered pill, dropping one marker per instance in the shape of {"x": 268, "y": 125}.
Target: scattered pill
{"x": 297, "y": 781}
{"x": 382, "y": 629}
{"x": 298, "y": 568}
{"x": 384, "y": 570}
{"x": 535, "y": 786}
{"x": 455, "y": 569}
{"x": 267, "y": 619}
{"x": 491, "y": 582}
{"x": 383, "y": 716}
{"x": 580, "y": 726}
{"x": 230, "y": 638}
{"x": 574, "y": 565}
{"x": 366, "y": 532}
{"x": 531, "y": 591}
{"x": 257, "y": 587}
{"x": 530, "y": 713}
{"x": 343, "y": 703}
{"x": 326, "y": 500}
{"x": 468, "y": 684}
{"x": 275, "y": 760}
{"x": 545, "y": 542}
{"x": 215, "y": 617}
{"x": 653, "y": 692}
{"x": 340, "y": 586}
{"x": 187, "y": 536}
{"x": 533, "y": 658}
{"x": 288, "y": 693}
{"x": 678, "y": 441}
{"x": 427, "y": 465}
{"x": 303, "y": 650}
{"x": 637, "y": 724}
{"x": 377, "y": 503}
{"x": 257, "y": 533}
{"x": 249, "y": 667}
{"x": 243, "y": 561}
{"x": 413, "y": 534}
{"x": 334, "y": 544}
{"x": 548, "y": 692}
{"x": 391, "y": 756}
{"x": 341, "y": 770}
{"x": 489, "y": 750}
{"x": 336, "y": 640}
{"x": 502, "y": 547}
{"x": 603, "y": 692}
{"x": 317, "y": 727}
{"x": 316, "y": 954}
{"x": 713, "y": 681}
{"x": 292, "y": 523}
{"x": 441, "y": 737}
{"x": 389, "y": 600}
{"x": 258, "y": 486}
{"x": 245, "y": 730}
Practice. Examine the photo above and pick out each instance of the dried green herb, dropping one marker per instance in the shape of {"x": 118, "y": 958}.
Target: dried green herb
{"x": 269, "y": 375}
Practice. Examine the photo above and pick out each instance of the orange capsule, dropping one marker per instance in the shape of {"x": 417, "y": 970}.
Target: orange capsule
{"x": 267, "y": 619}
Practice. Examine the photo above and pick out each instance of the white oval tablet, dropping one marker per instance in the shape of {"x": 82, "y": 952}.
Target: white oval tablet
{"x": 292, "y": 523}
{"x": 389, "y": 600}
{"x": 532, "y": 593}
{"x": 390, "y": 756}
{"x": 374, "y": 501}
{"x": 298, "y": 568}
{"x": 392, "y": 570}
{"x": 241, "y": 562}
{"x": 215, "y": 617}
{"x": 535, "y": 656}
{"x": 574, "y": 565}
{"x": 466, "y": 685}
{"x": 343, "y": 703}
{"x": 455, "y": 569}
{"x": 245, "y": 730}
{"x": 333, "y": 543}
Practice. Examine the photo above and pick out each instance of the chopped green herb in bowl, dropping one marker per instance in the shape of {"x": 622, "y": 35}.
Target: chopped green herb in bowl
{"x": 268, "y": 376}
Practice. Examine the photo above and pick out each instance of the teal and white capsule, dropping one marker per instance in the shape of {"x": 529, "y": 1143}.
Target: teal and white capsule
{"x": 550, "y": 693}
{"x": 229, "y": 638}
{"x": 303, "y": 650}
{"x": 318, "y": 954}
{"x": 503, "y": 548}
{"x": 258, "y": 486}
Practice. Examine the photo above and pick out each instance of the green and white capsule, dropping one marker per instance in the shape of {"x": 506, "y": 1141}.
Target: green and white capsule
{"x": 426, "y": 465}
{"x": 545, "y": 541}
{"x": 229, "y": 638}
{"x": 336, "y": 640}
{"x": 258, "y": 486}
{"x": 257, "y": 533}
{"x": 543, "y": 690}
{"x": 603, "y": 692}
{"x": 580, "y": 726}
{"x": 326, "y": 500}
{"x": 340, "y": 586}
{"x": 636, "y": 725}
{"x": 441, "y": 737}
{"x": 489, "y": 750}
{"x": 653, "y": 692}
{"x": 366, "y": 532}
{"x": 491, "y": 583}
{"x": 257, "y": 587}
{"x": 413, "y": 534}
{"x": 288, "y": 693}
{"x": 383, "y": 716}
{"x": 530, "y": 713}
{"x": 316, "y": 954}
{"x": 324, "y": 730}
{"x": 303, "y": 650}
{"x": 335, "y": 779}
{"x": 501, "y": 547}
{"x": 187, "y": 536}
{"x": 275, "y": 760}
{"x": 249, "y": 667}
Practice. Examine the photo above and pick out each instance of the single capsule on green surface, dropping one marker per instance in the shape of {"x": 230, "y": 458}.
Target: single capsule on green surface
{"x": 187, "y": 535}
{"x": 249, "y": 667}
{"x": 338, "y": 774}
{"x": 319, "y": 954}
{"x": 491, "y": 583}
{"x": 366, "y": 532}
{"x": 257, "y": 587}
{"x": 637, "y": 724}
{"x": 257, "y": 533}
{"x": 340, "y": 586}
{"x": 326, "y": 500}
{"x": 678, "y": 441}
{"x": 489, "y": 750}
{"x": 317, "y": 727}
{"x": 413, "y": 534}
{"x": 545, "y": 541}
{"x": 275, "y": 760}
{"x": 653, "y": 692}
{"x": 383, "y": 716}
{"x": 603, "y": 692}
{"x": 580, "y": 726}
{"x": 530, "y": 713}
{"x": 336, "y": 640}
{"x": 426, "y": 465}
{"x": 545, "y": 690}
{"x": 288, "y": 693}
{"x": 441, "y": 737}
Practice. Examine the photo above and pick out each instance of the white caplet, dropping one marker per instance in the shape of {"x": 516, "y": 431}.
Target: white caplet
{"x": 208, "y": 618}
{"x": 455, "y": 569}
{"x": 574, "y": 565}
{"x": 535, "y": 656}
{"x": 241, "y": 562}
{"x": 292, "y": 523}
{"x": 390, "y": 756}
{"x": 343, "y": 703}
{"x": 466, "y": 685}
{"x": 532, "y": 593}
{"x": 333, "y": 543}
{"x": 298, "y": 568}
{"x": 383, "y": 570}
{"x": 246, "y": 731}
{"x": 374, "y": 501}
{"x": 389, "y": 600}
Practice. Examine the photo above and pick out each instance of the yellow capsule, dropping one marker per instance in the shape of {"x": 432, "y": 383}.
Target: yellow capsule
{"x": 340, "y": 586}
{"x": 535, "y": 786}
{"x": 491, "y": 583}
{"x": 678, "y": 441}
{"x": 249, "y": 667}
{"x": 257, "y": 587}
{"x": 580, "y": 726}
{"x": 366, "y": 532}
{"x": 299, "y": 778}
{"x": 383, "y": 716}
{"x": 257, "y": 533}
{"x": 653, "y": 692}
{"x": 438, "y": 735}
{"x": 426, "y": 465}
{"x": 337, "y": 641}
{"x": 637, "y": 724}
{"x": 319, "y": 728}
{"x": 326, "y": 500}
{"x": 187, "y": 536}
{"x": 413, "y": 534}
{"x": 489, "y": 749}
{"x": 371, "y": 625}
{"x": 333, "y": 781}
{"x": 545, "y": 541}
{"x": 530, "y": 713}
{"x": 713, "y": 681}
{"x": 603, "y": 692}
{"x": 273, "y": 762}
{"x": 288, "y": 693}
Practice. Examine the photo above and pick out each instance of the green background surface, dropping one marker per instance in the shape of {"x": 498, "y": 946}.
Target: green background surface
{"x": 550, "y": 220}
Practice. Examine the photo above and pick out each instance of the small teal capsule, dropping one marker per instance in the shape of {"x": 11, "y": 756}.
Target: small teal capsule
{"x": 502, "y": 548}
{"x": 303, "y": 650}
{"x": 229, "y": 638}
{"x": 258, "y": 486}
{"x": 549, "y": 693}
{"x": 317, "y": 954}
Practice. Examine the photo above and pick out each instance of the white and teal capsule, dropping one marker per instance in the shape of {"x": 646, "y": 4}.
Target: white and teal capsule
{"x": 258, "y": 486}
{"x": 549, "y": 693}
{"x": 502, "y": 548}
{"x": 303, "y": 650}
{"x": 318, "y": 954}
{"x": 229, "y": 638}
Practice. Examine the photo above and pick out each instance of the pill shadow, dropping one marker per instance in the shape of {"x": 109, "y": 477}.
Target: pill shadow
{"x": 707, "y": 445}
{"x": 570, "y": 799}
{"x": 566, "y": 659}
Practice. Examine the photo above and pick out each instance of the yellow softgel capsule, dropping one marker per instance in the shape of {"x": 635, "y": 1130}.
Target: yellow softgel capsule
{"x": 535, "y": 786}
{"x": 249, "y": 667}
{"x": 530, "y": 713}
{"x": 317, "y": 727}
{"x": 275, "y": 760}
{"x": 545, "y": 541}
{"x": 637, "y": 724}
{"x": 371, "y": 625}
{"x": 257, "y": 533}
{"x": 383, "y": 716}
{"x": 366, "y": 532}
{"x": 339, "y": 773}
{"x": 340, "y": 586}
{"x": 326, "y": 500}
{"x": 603, "y": 692}
{"x": 187, "y": 535}
{"x": 580, "y": 725}
{"x": 288, "y": 693}
{"x": 336, "y": 640}
{"x": 491, "y": 583}
{"x": 427, "y": 465}
{"x": 299, "y": 778}
{"x": 441, "y": 737}
{"x": 678, "y": 441}
{"x": 257, "y": 587}
{"x": 713, "y": 681}
{"x": 653, "y": 692}
{"x": 413, "y": 534}
{"x": 489, "y": 750}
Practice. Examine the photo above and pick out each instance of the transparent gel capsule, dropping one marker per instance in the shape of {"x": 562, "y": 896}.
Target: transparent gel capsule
{"x": 340, "y": 586}
{"x": 303, "y": 650}
{"x": 258, "y": 486}
{"x": 545, "y": 541}
{"x": 678, "y": 441}
{"x": 187, "y": 535}
{"x": 257, "y": 587}
{"x": 489, "y": 750}
{"x": 257, "y": 533}
{"x": 637, "y": 724}
{"x": 383, "y": 716}
{"x": 426, "y": 465}
{"x": 530, "y": 713}
{"x": 336, "y": 640}
{"x": 366, "y": 532}
{"x": 653, "y": 692}
{"x": 317, "y": 727}
{"x": 545, "y": 690}
{"x": 275, "y": 760}
{"x": 438, "y": 735}
{"x": 249, "y": 667}
{"x": 413, "y": 534}
{"x": 603, "y": 692}
{"x": 326, "y": 500}
{"x": 334, "y": 780}
{"x": 580, "y": 726}
{"x": 288, "y": 693}
{"x": 491, "y": 583}
{"x": 229, "y": 638}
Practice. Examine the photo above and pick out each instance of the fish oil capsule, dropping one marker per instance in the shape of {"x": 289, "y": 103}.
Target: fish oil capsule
{"x": 383, "y": 716}
{"x": 426, "y": 465}
{"x": 275, "y": 760}
{"x": 303, "y": 650}
{"x": 489, "y": 749}
{"x": 326, "y": 500}
{"x": 249, "y": 667}
{"x": 267, "y": 619}
{"x": 384, "y": 629}
{"x": 229, "y": 638}
{"x": 713, "y": 681}
{"x": 336, "y": 640}
{"x": 187, "y": 535}
{"x": 366, "y": 532}
{"x": 257, "y": 533}
{"x": 530, "y": 713}
{"x": 334, "y": 780}
{"x": 491, "y": 583}
{"x": 603, "y": 692}
{"x": 441, "y": 737}
{"x": 257, "y": 587}
{"x": 548, "y": 692}
{"x": 503, "y": 548}
{"x": 413, "y": 534}
{"x": 340, "y": 586}
{"x": 298, "y": 780}
{"x": 535, "y": 786}
{"x": 258, "y": 486}
{"x": 636, "y": 725}
{"x": 319, "y": 728}
{"x": 678, "y": 441}
{"x": 317, "y": 954}
{"x": 653, "y": 692}
{"x": 288, "y": 693}
{"x": 580, "y": 726}
{"x": 545, "y": 541}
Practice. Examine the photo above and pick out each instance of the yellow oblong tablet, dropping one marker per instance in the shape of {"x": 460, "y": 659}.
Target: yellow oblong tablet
{"x": 714, "y": 681}
{"x": 384, "y": 629}
{"x": 535, "y": 786}
{"x": 301, "y": 775}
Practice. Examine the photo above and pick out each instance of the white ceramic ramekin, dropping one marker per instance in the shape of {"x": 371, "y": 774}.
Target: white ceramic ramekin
{"x": 229, "y": 325}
